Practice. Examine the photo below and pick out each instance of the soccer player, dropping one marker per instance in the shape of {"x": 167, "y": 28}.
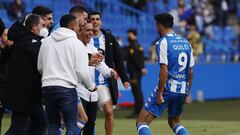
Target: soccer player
{"x": 107, "y": 88}
{"x": 175, "y": 79}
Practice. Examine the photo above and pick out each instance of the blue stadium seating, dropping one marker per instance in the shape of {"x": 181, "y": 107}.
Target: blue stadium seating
{"x": 119, "y": 17}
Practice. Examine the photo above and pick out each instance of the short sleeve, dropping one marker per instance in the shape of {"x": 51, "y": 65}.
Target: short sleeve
{"x": 161, "y": 48}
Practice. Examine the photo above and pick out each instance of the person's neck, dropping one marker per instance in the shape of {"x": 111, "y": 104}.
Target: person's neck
{"x": 85, "y": 44}
{"x": 96, "y": 33}
{"x": 168, "y": 30}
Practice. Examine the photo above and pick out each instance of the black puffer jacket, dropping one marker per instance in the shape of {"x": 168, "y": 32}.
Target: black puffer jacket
{"x": 23, "y": 80}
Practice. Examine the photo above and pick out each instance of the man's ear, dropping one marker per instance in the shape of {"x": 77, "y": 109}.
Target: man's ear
{"x": 34, "y": 27}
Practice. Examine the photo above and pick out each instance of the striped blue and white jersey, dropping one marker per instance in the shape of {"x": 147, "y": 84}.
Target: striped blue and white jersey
{"x": 99, "y": 43}
{"x": 176, "y": 52}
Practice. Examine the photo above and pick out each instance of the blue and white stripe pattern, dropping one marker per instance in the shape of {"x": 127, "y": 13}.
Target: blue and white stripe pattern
{"x": 99, "y": 42}
{"x": 176, "y": 52}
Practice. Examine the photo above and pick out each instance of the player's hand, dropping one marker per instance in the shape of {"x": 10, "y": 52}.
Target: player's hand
{"x": 95, "y": 59}
{"x": 126, "y": 85}
{"x": 144, "y": 71}
{"x": 93, "y": 90}
{"x": 160, "y": 99}
{"x": 114, "y": 74}
{"x": 188, "y": 99}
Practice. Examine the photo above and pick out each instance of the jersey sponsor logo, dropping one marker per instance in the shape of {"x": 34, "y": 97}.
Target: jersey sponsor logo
{"x": 180, "y": 76}
{"x": 179, "y": 41}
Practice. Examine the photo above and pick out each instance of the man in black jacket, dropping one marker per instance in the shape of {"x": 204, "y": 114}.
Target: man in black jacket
{"x": 4, "y": 47}
{"x": 23, "y": 94}
{"x": 47, "y": 15}
{"x": 107, "y": 88}
{"x": 136, "y": 68}
{"x": 2, "y": 73}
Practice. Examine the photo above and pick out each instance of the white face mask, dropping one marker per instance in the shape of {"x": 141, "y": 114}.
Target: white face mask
{"x": 43, "y": 32}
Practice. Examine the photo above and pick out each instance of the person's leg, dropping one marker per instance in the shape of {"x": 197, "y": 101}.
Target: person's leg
{"x": 109, "y": 117}
{"x": 150, "y": 110}
{"x": 176, "y": 126}
{"x": 105, "y": 103}
{"x": 143, "y": 121}
{"x": 38, "y": 118}
{"x": 68, "y": 106}
{"x": 91, "y": 111}
{"x": 18, "y": 124}
{"x": 134, "y": 86}
{"x": 82, "y": 116}
{"x": 175, "y": 109}
{"x": 139, "y": 94}
{"x": 2, "y": 109}
{"x": 51, "y": 97}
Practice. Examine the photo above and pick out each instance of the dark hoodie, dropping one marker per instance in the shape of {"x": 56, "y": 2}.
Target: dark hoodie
{"x": 23, "y": 80}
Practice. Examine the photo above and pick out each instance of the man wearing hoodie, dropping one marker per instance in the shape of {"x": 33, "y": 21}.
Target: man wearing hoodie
{"x": 24, "y": 80}
{"x": 63, "y": 62}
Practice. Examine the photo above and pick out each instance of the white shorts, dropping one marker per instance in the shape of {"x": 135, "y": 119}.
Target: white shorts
{"x": 104, "y": 95}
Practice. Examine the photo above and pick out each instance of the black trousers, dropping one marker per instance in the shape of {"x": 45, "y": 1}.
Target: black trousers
{"x": 91, "y": 111}
{"x": 137, "y": 92}
{"x": 33, "y": 123}
{"x": 2, "y": 109}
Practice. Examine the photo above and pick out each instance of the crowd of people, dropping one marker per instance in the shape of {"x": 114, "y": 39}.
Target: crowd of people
{"x": 61, "y": 75}
{"x": 194, "y": 19}
{"x": 70, "y": 69}
{"x": 197, "y": 19}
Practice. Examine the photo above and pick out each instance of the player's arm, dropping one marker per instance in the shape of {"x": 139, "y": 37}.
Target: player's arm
{"x": 190, "y": 80}
{"x": 106, "y": 71}
{"x": 188, "y": 99}
{"x": 161, "y": 48}
{"x": 82, "y": 68}
{"x": 162, "y": 82}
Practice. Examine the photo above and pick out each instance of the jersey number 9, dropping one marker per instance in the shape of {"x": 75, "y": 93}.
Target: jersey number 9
{"x": 182, "y": 61}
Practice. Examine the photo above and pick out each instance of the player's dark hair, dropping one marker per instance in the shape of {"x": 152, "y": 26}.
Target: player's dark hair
{"x": 2, "y": 27}
{"x": 165, "y": 19}
{"x": 134, "y": 31}
{"x": 41, "y": 10}
{"x": 95, "y": 13}
{"x": 31, "y": 20}
{"x": 78, "y": 8}
{"x": 66, "y": 20}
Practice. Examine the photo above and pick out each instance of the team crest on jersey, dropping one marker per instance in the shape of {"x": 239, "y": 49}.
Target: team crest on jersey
{"x": 34, "y": 41}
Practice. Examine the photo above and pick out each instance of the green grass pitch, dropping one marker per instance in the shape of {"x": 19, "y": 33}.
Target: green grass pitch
{"x": 209, "y": 118}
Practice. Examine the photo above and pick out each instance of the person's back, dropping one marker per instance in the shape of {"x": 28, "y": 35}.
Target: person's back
{"x": 178, "y": 60}
{"x": 175, "y": 79}
{"x": 63, "y": 61}
{"x": 58, "y": 58}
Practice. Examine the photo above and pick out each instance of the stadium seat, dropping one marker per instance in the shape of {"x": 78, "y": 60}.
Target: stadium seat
{"x": 229, "y": 33}
{"x": 217, "y": 33}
